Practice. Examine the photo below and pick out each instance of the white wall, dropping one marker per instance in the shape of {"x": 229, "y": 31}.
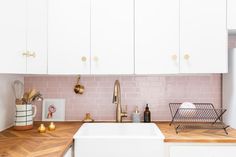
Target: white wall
{"x": 7, "y": 100}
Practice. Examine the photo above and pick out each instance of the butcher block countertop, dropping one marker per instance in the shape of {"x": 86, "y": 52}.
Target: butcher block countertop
{"x": 56, "y": 143}
{"x": 33, "y": 144}
{"x": 197, "y": 135}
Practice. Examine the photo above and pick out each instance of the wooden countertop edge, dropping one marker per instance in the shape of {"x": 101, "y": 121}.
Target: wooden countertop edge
{"x": 67, "y": 147}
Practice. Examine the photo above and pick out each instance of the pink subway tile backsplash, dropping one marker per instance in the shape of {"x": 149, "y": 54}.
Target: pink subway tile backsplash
{"x": 158, "y": 91}
{"x": 232, "y": 41}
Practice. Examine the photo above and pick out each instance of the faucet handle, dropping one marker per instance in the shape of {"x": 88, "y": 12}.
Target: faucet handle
{"x": 124, "y": 111}
{"x": 124, "y": 114}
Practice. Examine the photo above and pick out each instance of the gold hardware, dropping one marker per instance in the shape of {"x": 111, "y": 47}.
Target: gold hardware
{"x": 88, "y": 118}
{"x": 29, "y": 54}
{"x": 78, "y": 89}
{"x": 95, "y": 59}
{"x": 117, "y": 100}
{"x": 32, "y": 54}
{"x": 174, "y": 57}
{"x": 51, "y": 127}
{"x": 26, "y": 53}
{"x": 83, "y": 59}
{"x": 186, "y": 56}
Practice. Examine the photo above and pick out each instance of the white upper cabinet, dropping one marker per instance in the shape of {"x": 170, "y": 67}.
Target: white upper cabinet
{"x": 12, "y": 36}
{"x": 231, "y": 14}
{"x": 203, "y": 36}
{"x": 188, "y": 36}
{"x": 115, "y": 36}
{"x": 23, "y": 36}
{"x": 69, "y": 37}
{"x": 112, "y": 34}
{"x": 156, "y": 36}
{"x": 37, "y": 36}
{"x": 96, "y": 35}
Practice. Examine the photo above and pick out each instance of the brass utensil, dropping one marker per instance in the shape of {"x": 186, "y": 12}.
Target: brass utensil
{"x": 32, "y": 93}
{"x": 78, "y": 89}
{"x": 31, "y": 96}
{"x": 37, "y": 97}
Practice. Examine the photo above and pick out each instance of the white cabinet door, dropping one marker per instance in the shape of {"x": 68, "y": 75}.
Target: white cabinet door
{"x": 37, "y": 36}
{"x": 203, "y": 36}
{"x": 112, "y": 30}
{"x": 12, "y": 36}
{"x": 231, "y": 14}
{"x": 224, "y": 151}
{"x": 69, "y": 37}
{"x": 202, "y": 151}
{"x": 190, "y": 151}
{"x": 156, "y": 36}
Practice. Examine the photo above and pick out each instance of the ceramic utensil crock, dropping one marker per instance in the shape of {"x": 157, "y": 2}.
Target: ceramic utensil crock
{"x": 24, "y": 116}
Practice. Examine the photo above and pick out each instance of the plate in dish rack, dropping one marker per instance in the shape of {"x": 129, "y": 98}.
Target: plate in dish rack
{"x": 188, "y": 109}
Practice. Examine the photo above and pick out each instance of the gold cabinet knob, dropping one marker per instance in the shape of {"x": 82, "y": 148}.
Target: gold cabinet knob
{"x": 29, "y": 54}
{"x": 174, "y": 57}
{"x": 186, "y": 57}
{"x": 26, "y": 53}
{"x": 95, "y": 58}
{"x": 83, "y": 59}
{"x": 32, "y": 54}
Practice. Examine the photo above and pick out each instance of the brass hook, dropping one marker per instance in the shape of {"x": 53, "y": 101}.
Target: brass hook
{"x": 78, "y": 79}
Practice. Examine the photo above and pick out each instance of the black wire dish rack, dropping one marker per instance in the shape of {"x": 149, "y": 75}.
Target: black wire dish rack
{"x": 203, "y": 116}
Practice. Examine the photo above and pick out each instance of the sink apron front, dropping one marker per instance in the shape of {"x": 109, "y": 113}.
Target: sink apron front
{"x": 117, "y": 140}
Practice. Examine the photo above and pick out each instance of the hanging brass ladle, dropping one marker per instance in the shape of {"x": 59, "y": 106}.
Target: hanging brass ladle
{"x": 78, "y": 89}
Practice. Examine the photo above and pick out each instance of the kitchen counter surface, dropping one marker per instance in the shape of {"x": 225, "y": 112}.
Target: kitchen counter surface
{"x": 56, "y": 143}
{"x": 197, "y": 135}
{"x": 33, "y": 144}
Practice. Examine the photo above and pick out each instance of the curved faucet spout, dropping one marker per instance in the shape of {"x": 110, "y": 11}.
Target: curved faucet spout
{"x": 117, "y": 100}
{"x": 116, "y": 92}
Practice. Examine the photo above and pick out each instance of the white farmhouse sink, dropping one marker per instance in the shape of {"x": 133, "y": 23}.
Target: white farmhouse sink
{"x": 119, "y": 140}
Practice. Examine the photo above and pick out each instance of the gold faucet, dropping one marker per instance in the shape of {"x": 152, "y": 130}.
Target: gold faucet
{"x": 117, "y": 101}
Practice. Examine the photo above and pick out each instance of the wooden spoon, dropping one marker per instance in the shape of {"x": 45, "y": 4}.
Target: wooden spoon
{"x": 25, "y": 98}
{"x": 32, "y": 93}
